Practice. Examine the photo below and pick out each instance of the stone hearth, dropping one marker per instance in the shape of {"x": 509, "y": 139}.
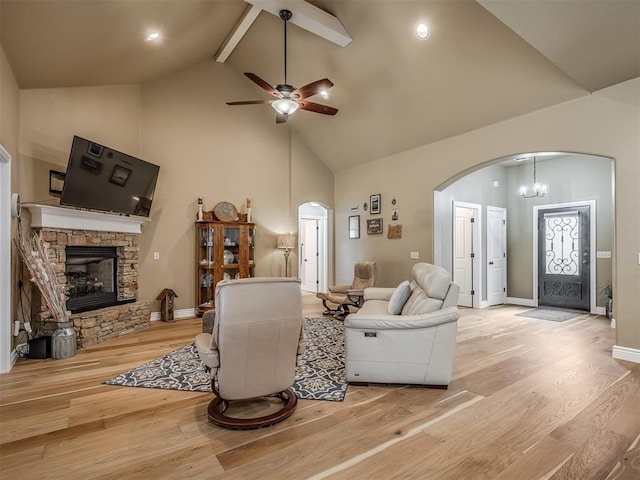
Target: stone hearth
{"x": 96, "y": 326}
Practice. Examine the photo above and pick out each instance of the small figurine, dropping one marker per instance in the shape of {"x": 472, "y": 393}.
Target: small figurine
{"x": 200, "y": 207}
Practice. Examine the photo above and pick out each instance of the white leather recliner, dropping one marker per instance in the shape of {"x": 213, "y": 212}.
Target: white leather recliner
{"x": 253, "y": 347}
{"x": 415, "y": 346}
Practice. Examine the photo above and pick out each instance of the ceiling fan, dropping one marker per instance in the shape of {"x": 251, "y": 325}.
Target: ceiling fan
{"x": 287, "y": 97}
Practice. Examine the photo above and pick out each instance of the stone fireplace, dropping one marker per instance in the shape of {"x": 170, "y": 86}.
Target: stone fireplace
{"x": 95, "y": 256}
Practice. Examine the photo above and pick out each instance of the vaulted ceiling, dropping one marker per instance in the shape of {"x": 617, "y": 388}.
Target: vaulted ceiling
{"x": 486, "y": 60}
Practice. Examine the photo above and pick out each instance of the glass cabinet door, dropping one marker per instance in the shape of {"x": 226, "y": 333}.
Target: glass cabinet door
{"x": 205, "y": 257}
{"x": 231, "y": 253}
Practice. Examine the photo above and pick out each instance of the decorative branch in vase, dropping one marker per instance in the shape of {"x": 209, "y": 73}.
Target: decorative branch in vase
{"x": 34, "y": 255}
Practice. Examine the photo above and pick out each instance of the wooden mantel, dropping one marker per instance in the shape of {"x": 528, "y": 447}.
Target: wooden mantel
{"x": 48, "y": 216}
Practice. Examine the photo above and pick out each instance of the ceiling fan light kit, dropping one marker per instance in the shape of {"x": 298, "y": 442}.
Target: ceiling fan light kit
{"x": 289, "y": 98}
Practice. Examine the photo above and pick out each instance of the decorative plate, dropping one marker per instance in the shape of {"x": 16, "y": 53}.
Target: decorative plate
{"x": 227, "y": 276}
{"x": 228, "y": 257}
{"x": 225, "y": 211}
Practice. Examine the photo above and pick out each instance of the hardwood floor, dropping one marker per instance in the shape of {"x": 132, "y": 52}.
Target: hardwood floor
{"x": 530, "y": 399}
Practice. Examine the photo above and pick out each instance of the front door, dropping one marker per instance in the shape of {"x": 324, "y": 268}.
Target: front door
{"x": 564, "y": 257}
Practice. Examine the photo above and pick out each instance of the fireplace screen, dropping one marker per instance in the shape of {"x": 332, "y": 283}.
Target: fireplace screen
{"x": 91, "y": 277}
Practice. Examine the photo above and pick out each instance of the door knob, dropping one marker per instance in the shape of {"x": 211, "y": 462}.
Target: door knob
{"x": 490, "y": 263}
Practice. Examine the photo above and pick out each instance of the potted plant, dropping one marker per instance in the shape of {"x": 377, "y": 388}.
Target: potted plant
{"x": 607, "y": 292}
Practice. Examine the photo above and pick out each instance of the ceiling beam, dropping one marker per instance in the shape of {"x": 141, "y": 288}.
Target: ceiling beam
{"x": 309, "y": 17}
{"x": 249, "y": 16}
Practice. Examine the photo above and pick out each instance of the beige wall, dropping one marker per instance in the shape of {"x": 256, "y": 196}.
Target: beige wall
{"x": 204, "y": 149}
{"x": 606, "y": 123}
{"x": 9, "y": 115}
{"x": 220, "y": 153}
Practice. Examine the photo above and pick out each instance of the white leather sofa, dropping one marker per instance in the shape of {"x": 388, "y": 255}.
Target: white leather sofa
{"x": 417, "y": 345}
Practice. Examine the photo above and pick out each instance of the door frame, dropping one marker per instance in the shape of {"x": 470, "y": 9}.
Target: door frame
{"x": 323, "y": 247}
{"x": 592, "y": 247}
{"x": 478, "y": 262}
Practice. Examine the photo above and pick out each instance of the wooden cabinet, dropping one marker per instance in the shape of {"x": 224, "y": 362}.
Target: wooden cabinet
{"x": 224, "y": 251}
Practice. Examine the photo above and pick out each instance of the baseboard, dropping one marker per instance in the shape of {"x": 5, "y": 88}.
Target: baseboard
{"x": 182, "y": 313}
{"x": 613, "y": 323}
{"x": 626, "y": 353}
{"x": 600, "y": 311}
{"x": 525, "y": 302}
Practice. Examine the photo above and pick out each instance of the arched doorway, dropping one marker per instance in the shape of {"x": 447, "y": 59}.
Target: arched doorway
{"x": 313, "y": 246}
{"x": 571, "y": 179}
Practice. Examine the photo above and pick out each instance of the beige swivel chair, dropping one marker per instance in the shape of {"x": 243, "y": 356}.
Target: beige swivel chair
{"x": 253, "y": 348}
{"x": 345, "y": 296}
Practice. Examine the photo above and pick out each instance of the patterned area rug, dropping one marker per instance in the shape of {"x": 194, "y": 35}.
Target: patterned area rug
{"x": 549, "y": 314}
{"x": 319, "y": 376}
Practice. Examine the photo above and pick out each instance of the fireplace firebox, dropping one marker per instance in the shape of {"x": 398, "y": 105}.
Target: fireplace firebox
{"x": 92, "y": 274}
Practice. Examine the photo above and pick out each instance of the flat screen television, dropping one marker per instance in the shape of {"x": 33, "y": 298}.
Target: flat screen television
{"x": 101, "y": 178}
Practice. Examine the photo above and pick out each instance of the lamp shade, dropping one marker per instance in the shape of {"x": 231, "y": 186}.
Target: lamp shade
{"x": 285, "y": 106}
{"x": 286, "y": 240}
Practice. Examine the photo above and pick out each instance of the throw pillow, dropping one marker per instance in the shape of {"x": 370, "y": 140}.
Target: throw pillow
{"x": 399, "y": 298}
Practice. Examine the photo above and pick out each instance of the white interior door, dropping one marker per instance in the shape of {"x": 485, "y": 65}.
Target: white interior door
{"x": 496, "y": 255}
{"x": 463, "y": 254}
{"x": 309, "y": 254}
{"x": 5, "y": 260}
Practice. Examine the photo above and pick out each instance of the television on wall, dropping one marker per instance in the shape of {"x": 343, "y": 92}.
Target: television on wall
{"x": 101, "y": 178}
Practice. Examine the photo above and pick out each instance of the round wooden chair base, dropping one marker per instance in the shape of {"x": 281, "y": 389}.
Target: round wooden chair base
{"x": 218, "y": 406}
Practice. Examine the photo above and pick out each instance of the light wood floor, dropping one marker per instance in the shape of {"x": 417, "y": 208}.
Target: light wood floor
{"x": 531, "y": 399}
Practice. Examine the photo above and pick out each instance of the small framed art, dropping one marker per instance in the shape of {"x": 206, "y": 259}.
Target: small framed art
{"x": 120, "y": 175}
{"x": 354, "y": 226}
{"x": 374, "y": 204}
{"x": 374, "y": 226}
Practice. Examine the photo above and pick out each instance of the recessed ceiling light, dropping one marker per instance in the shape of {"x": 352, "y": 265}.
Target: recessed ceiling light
{"x": 324, "y": 94}
{"x": 152, "y": 36}
{"x": 422, "y": 31}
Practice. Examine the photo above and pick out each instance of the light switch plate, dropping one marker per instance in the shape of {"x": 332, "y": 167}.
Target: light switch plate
{"x": 603, "y": 254}
{"x": 414, "y": 255}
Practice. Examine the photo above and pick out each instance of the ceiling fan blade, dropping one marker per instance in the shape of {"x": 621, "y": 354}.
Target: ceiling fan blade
{"x": 263, "y": 84}
{"x": 317, "y": 108}
{"x": 281, "y": 117}
{"x": 311, "y": 89}
{"x": 250, "y": 102}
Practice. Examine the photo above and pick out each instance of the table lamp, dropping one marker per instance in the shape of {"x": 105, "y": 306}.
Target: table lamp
{"x": 287, "y": 241}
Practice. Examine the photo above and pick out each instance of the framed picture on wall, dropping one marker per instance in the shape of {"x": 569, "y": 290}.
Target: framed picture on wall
{"x": 374, "y": 226}
{"x": 374, "y": 204}
{"x": 354, "y": 226}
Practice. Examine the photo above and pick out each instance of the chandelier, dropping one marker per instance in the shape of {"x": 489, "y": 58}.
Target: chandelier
{"x": 535, "y": 190}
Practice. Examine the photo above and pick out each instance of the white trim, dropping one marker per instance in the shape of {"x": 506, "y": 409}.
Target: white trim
{"x": 182, "y": 313}
{"x": 239, "y": 31}
{"x": 626, "y": 353}
{"x": 43, "y": 216}
{"x": 6, "y": 358}
{"x": 600, "y": 311}
{"x": 525, "y": 302}
{"x": 310, "y": 18}
{"x": 592, "y": 246}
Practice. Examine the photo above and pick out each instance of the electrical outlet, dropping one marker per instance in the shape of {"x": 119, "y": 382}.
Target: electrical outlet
{"x": 414, "y": 255}
{"x": 156, "y": 255}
